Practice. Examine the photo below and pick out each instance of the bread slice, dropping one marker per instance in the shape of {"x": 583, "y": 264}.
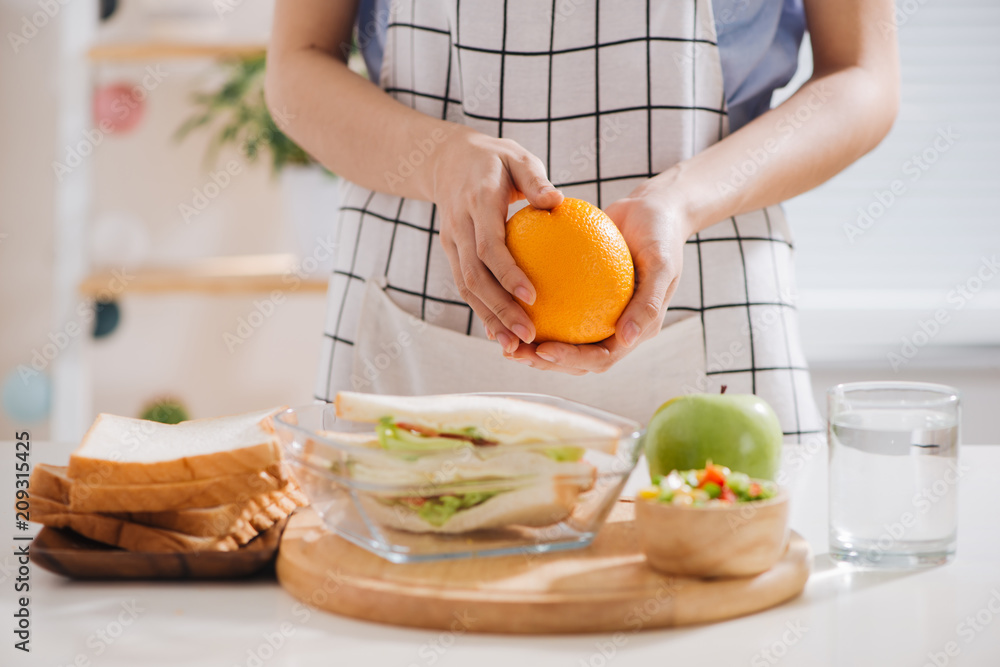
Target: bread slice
{"x": 134, "y": 536}
{"x": 247, "y": 526}
{"x": 535, "y": 506}
{"x": 50, "y": 482}
{"x": 504, "y": 420}
{"x": 50, "y": 494}
{"x": 122, "y": 450}
{"x": 258, "y": 513}
{"x": 171, "y": 496}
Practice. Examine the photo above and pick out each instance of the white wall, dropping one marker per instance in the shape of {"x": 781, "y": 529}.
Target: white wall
{"x": 174, "y": 344}
{"x": 27, "y": 129}
{"x": 165, "y": 344}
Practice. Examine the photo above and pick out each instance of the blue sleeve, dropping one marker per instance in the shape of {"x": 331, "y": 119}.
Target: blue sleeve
{"x": 759, "y": 49}
{"x": 373, "y": 19}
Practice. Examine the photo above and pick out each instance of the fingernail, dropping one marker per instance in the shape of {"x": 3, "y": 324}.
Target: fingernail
{"x": 522, "y": 332}
{"x": 524, "y": 294}
{"x": 506, "y": 342}
{"x": 547, "y": 188}
{"x": 630, "y": 332}
{"x": 522, "y": 360}
{"x": 547, "y": 357}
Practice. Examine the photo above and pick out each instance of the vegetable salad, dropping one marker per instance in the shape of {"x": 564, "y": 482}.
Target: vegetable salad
{"x": 712, "y": 485}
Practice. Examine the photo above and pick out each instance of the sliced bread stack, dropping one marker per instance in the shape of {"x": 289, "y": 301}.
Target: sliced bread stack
{"x": 209, "y": 484}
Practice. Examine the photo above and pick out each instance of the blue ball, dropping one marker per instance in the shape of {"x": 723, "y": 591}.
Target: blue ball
{"x": 27, "y": 395}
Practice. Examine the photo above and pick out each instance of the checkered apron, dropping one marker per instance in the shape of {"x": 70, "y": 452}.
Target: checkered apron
{"x": 607, "y": 94}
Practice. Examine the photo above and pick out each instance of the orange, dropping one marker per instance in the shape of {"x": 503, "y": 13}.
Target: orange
{"x": 581, "y": 268}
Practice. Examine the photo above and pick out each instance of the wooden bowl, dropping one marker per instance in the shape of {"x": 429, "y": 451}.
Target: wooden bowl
{"x": 714, "y": 541}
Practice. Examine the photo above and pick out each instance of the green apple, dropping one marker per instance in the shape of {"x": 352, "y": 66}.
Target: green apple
{"x": 739, "y": 431}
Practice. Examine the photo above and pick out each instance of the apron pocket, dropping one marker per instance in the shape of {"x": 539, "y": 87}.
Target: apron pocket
{"x": 398, "y": 353}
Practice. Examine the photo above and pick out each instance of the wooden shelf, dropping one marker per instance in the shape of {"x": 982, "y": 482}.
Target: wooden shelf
{"x": 172, "y": 50}
{"x": 244, "y": 274}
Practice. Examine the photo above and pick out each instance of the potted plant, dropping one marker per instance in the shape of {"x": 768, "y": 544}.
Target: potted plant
{"x": 239, "y": 116}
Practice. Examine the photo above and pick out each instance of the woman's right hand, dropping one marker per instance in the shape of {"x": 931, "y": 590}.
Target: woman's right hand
{"x": 475, "y": 178}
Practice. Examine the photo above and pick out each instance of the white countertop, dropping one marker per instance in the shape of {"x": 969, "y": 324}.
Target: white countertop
{"x": 844, "y": 618}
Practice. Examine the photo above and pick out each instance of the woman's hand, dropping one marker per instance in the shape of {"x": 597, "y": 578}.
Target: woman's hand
{"x": 475, "y": 179}
{"x": 655, "y": 234}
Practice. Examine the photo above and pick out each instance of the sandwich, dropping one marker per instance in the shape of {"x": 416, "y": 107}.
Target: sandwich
{"x": 447, "y": 421}
{"x": 535, "y": 505}
{"x": 457, "y": 463}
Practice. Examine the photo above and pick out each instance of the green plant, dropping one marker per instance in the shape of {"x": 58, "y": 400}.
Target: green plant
{"x": 165, "y": 411}
{"x": 238, "y": 110}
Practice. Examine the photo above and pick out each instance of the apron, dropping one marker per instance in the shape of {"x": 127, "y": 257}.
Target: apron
{"x": 602, "y": 120}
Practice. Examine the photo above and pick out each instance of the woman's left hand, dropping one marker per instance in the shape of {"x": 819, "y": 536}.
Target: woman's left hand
{"x": 655, "y": 234}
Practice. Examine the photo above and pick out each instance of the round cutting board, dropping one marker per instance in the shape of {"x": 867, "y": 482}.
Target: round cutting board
{"x": 606, "y": 587}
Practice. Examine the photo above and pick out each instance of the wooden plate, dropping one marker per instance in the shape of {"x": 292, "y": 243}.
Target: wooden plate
{"x": 606, "y": 587}
{"x": 71, "y": 555}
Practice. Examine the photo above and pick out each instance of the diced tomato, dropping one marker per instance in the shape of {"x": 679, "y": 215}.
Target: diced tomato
{"x": 754, "y": 489}
{"x": 413, "y": 502}
{"x": 711, "y": 474}
{"x": 727, "y": 495}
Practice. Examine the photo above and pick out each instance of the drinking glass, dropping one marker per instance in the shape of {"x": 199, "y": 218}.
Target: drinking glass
{"x": 894, "y": 473}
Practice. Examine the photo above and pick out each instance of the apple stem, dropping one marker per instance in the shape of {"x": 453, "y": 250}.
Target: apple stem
{"x": 723, "y": 391}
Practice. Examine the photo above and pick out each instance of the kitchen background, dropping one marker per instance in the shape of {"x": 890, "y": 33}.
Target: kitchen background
{"x": 897, "y": 257}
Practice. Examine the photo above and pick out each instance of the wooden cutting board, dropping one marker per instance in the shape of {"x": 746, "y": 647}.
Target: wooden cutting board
{"x": 606, "y": 587}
